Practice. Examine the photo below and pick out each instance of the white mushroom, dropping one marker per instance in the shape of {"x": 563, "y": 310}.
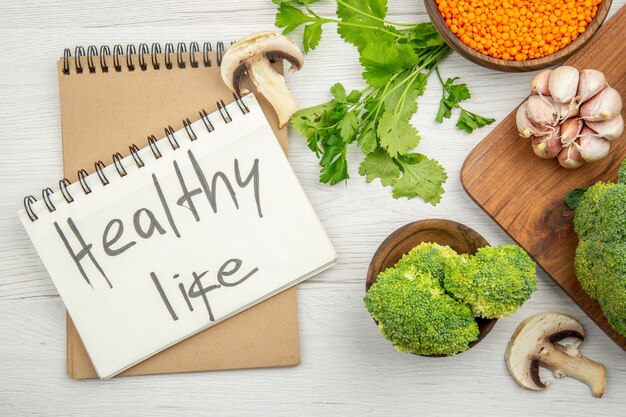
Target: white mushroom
{"x": 252, "y": 55}
{"x": 534, "y": 344}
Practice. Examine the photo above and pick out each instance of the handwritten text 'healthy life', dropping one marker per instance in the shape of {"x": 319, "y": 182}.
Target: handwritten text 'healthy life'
{"x": 146, "y": 224}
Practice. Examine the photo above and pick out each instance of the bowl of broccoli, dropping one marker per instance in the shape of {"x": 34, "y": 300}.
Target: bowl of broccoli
{"x": 436, "y": 288}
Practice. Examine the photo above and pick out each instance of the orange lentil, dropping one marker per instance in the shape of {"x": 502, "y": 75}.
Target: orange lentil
{"x": 517, "y": 29}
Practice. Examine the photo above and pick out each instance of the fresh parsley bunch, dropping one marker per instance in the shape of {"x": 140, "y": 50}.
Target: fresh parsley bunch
{"x": 398, "y": 59}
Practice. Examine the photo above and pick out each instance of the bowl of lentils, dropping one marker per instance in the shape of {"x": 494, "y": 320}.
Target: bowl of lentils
{"x": 517, "y": 35}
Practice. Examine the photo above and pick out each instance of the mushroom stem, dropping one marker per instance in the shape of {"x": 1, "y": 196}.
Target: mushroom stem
{"x": 579, "y": 367}
{"x": 535, "y": 343}
{"x": 272, "y": 86}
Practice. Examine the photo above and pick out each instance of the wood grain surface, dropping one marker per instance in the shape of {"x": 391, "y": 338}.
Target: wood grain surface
{"x": 516, "y": 66}
{"x": 524, "y": 193}
{"x": 347, "y": 368}
{"x": 443, "y": 232}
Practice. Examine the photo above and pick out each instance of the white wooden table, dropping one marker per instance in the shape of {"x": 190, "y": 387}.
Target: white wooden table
{"x": 347, "y": 367}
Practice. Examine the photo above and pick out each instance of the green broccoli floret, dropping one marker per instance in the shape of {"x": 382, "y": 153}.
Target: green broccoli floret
{"x": 494, "y": 282}
{"x": 430, "y": 258}
{"x": 416, "y": 316}
{"x": 586, "y": 265}
{"x": 587, "y": 218}
{"x": 600, "y": 263}
{"x": 611, "y": 291}
{"x": 420, "y": 278}
{"x": 612, "y": 217}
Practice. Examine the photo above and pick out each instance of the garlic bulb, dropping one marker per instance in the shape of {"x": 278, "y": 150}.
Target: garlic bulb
{"x": 605, "y": 105}
{"x": 591, "y": 147}
{"x": 563, "y": 84}
{"x": 573, "y": 114}
{"x": 590, "y": 83}
{"x": 608, "y": 129}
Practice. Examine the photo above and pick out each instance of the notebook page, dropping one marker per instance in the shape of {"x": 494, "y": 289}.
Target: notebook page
{"x": 184, "y": 242}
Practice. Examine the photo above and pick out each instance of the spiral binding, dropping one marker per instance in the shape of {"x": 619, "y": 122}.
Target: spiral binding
{"x": 102, "y": 57}
{"x": 134, "y": 152}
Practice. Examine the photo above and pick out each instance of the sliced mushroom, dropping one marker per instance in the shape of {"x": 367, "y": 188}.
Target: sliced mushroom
{"x": 534, "y": 344}
{"x": 252, "y": 55}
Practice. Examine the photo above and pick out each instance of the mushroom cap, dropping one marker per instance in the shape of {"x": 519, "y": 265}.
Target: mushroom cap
{"x": 530, "y": 338}
{"x": 260, "y": 45}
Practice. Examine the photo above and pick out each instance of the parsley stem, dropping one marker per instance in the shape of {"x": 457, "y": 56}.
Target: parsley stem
{"x": 402, "y": 99}
{"x": 366, "y": 89}
{"x": 384, "y": 93}
{"x": 308, "y": 9}
{"x": 361, "y": 12}
{"x": 435, "y": 58}
{"x": 357, "y": 25}
{"x": 443, "y": 85}
{"x": 440, "y": 79}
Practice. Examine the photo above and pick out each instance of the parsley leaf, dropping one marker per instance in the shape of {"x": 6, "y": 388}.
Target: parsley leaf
{"x": 309, "y": 120}
{"x": 397, "y": 135}
{"x": 367, "y": 139}
{"x": 456, "y": 92}
{"x": 573, "y": 197}
{"x": 421, "y": 177}
{"x": 424, "y": 35}
{"x": 339, "y": 93}
{"x": 333, "y": 162}
{"x": 452, "y": 95}
{"x": 450, "y": 98}
{"x": 312, "y": 36}
{"x": 329, "y": 128}
{"x": 354, "y": 96}
{"x": 470, "y": 121}
{"x": 382, "y": 60}
{"x": 362, "y": 23}
{"x": 379, "y": 165}
{"x": 289, "y": 17}
{"x": 347, "y": 126}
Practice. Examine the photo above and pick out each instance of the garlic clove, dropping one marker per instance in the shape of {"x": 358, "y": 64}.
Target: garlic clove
{"x": 539, "y": 83}
{"x": 567, "y": 110}
{"x": 570, "y": 158}
{"x": 541, "y": 111}
{"x": 608, "y": 129}
{"x": 591, "y": 147}
{"x": 605, "y": 105}
{"x": 570, "y": 129}
{"x": 590, "y": 83}
{"x": 563, "y": 84}
{"x": 548, "y": 146}
{"x": 525, "y": 126}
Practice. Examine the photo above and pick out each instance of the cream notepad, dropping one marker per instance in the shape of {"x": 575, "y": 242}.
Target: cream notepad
{"x": 178, "y": 236}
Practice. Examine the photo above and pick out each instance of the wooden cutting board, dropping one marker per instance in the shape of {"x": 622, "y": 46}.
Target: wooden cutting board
{"x": 524, "y": 193}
